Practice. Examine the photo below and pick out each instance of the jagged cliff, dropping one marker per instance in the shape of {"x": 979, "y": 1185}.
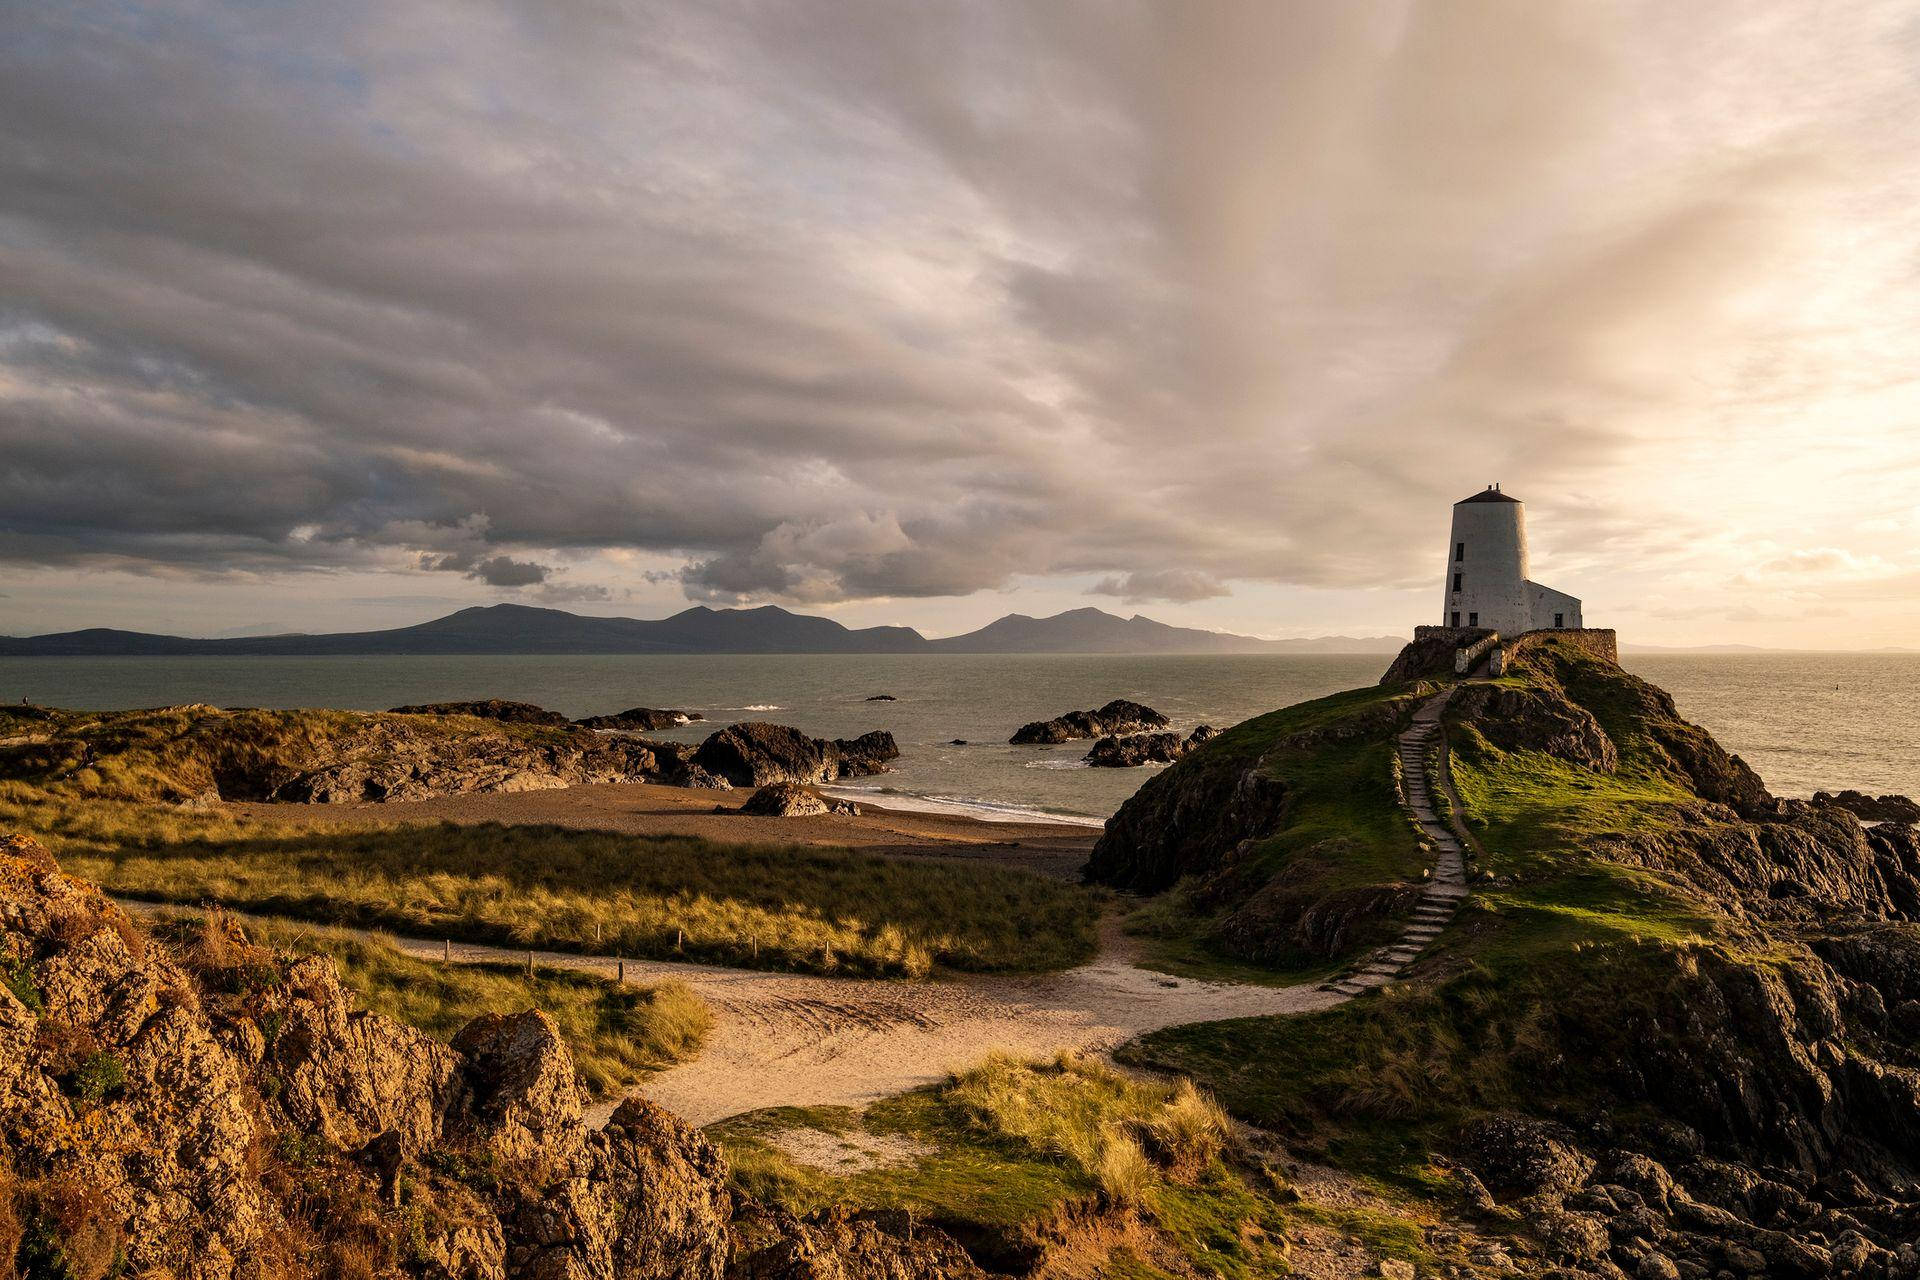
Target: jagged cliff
{"x": 220, "y": 1110}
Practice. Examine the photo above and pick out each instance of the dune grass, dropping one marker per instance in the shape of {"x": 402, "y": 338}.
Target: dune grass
{"x": 618, "y": 1035}
{"x": 1006, "y": 1142}
{"x": 809, "y": 909}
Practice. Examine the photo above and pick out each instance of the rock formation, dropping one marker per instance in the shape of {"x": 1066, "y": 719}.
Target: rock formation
{"x": 487, "y": 709}
{"x": 641, "y": 720}
{"x": 789, "y": 800}
{"x": 1889, "y": 808}
{"x": 207, "y": 1109}
{"x": 754, "y": 753}
{"x": 1117, "y": 718}
{"x": 1147, "y": 748}
{"x": 198, "y": 755}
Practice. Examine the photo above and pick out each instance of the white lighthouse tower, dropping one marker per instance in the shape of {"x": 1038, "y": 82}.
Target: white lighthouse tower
{"x": 1486, "y": 583}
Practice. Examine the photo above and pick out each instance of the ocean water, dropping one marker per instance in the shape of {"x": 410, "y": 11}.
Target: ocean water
{"x": 1805, "y": 721}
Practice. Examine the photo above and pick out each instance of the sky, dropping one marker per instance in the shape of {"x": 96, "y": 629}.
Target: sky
{"x": 339, "y": 316}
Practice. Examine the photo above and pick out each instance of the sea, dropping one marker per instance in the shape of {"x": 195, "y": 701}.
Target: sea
{"x": 1806, "y": 721}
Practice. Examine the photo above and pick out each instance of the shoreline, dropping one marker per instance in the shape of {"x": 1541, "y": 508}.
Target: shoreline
{"x": 1053, "y": 848}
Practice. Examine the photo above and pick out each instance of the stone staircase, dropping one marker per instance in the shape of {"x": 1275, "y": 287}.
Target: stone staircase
{"x": 1418, "y": 746}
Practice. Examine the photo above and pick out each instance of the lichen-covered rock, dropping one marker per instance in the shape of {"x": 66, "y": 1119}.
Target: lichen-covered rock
{"x": 783, "y": 800}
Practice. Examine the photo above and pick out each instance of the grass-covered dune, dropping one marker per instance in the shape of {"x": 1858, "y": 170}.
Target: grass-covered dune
{"x": 1675, "y": 1015}
{"x": 812, "y": 909}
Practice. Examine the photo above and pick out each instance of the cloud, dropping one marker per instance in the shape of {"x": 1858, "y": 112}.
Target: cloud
{"x": 1181, "y": 586}
{"x": 865, "y": 301}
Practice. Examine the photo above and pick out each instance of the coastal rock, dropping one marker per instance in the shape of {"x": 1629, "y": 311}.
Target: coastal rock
{"x": 787, "y": 800}
{"x": 1888, "y": 808}
{"x": 1117, "y": 718}
{"x": 881, "y": 697}
{"x": 754, "y": 753}
{"x": 487, "y": 709}
{"x": 641, "y": 720}
{"x": 1146, "y": 748}
{"x": 196, "y": 1106}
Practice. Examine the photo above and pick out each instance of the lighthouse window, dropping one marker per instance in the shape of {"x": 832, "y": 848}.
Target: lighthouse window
{"x": 1559, "y": 620}
{"x": 1459, "y": 552}
{"x": 1456, "y": 582}
{"x": 1456, "y": 617}
{"x": 1473, "y": 619}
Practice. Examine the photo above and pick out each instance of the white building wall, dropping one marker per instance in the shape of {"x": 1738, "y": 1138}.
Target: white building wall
{"x": 1487, "y": 558}
{"x": 1552, "y": 608}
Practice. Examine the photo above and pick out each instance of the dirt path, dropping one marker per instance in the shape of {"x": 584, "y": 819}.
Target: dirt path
{"x": 791, "y": 1040}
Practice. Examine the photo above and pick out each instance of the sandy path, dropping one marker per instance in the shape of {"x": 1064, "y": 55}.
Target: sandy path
{"x": 792, "y": 1040}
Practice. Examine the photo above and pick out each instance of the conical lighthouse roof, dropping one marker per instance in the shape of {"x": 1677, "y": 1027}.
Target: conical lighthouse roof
{"x": 1488, "y": 494}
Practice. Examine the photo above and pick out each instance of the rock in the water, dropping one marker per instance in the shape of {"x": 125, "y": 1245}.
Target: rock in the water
{"x": 641, "y": 719}
{"x": 754, "y": 753}
{"x": 881, "y": 697}
{"x": 1888, "y": 808}
{"x": 244, "y": 1119}
{"x": 1146, "y": 748}
{"x": 1117, "y": 718}
{"x": 487, "y": 709}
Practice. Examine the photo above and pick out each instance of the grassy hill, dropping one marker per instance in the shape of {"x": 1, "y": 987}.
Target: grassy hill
{"x": 1659, "y": 960}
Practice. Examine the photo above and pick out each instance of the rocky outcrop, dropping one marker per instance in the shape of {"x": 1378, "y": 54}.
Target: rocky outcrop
{"x": 881, "y": 697}
{"x": 487, "y": 709}
{"x": 384, "y": 765}
{"x": 641, "y": 720}
{"x": 1139, "y": 749}
{"x": 1117, "y": 718}
{"x": 195, "y": 1106}
{"x": 788, "y": 800}
{"x": 754, "y": 753}
{"x": 1534, "y": 719}
{"x": 1888, "y": 808}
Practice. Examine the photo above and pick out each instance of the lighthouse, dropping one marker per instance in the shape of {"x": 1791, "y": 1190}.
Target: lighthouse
{"x": 1486, "y": 582}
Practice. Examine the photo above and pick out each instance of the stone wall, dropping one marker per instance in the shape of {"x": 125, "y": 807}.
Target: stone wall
{"x": 1597, "y": 642}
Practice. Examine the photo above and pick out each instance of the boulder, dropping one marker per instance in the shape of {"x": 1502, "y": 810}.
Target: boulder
{"x": 487, "y": 709}
{"x": 1117, "y": 718}
{"x": 641, "y": 719}
{"x": 785, "y": 800}
{"x": 754, "y": 753}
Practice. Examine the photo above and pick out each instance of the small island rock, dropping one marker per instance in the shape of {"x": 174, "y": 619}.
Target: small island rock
{"x": 487, "y": 709}
{"x": 1138, "y": 749}
{"x": 641, "y": 719}
{"x": 1117, "y": 718}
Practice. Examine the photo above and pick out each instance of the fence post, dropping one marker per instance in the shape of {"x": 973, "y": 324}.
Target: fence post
{"x": 828, "y": 948}
{"x": 446, "y": 951}
{"x": 620, "y": 975}
{"x": 679, "y": 939}
{"x": 529, "y": 966}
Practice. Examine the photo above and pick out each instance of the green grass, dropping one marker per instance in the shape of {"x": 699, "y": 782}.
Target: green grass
{"x": 1563, "y": 939}
{"x": 809, "y": 909}
{"x": 1341, "y": 830}
{"x": 619, "y": 1035}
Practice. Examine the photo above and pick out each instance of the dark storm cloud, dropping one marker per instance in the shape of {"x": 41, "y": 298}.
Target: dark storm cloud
{"x": 868, "y": 299}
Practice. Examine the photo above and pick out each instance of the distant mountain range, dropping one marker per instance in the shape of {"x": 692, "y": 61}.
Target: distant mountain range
{"x": 513, "y": 628}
